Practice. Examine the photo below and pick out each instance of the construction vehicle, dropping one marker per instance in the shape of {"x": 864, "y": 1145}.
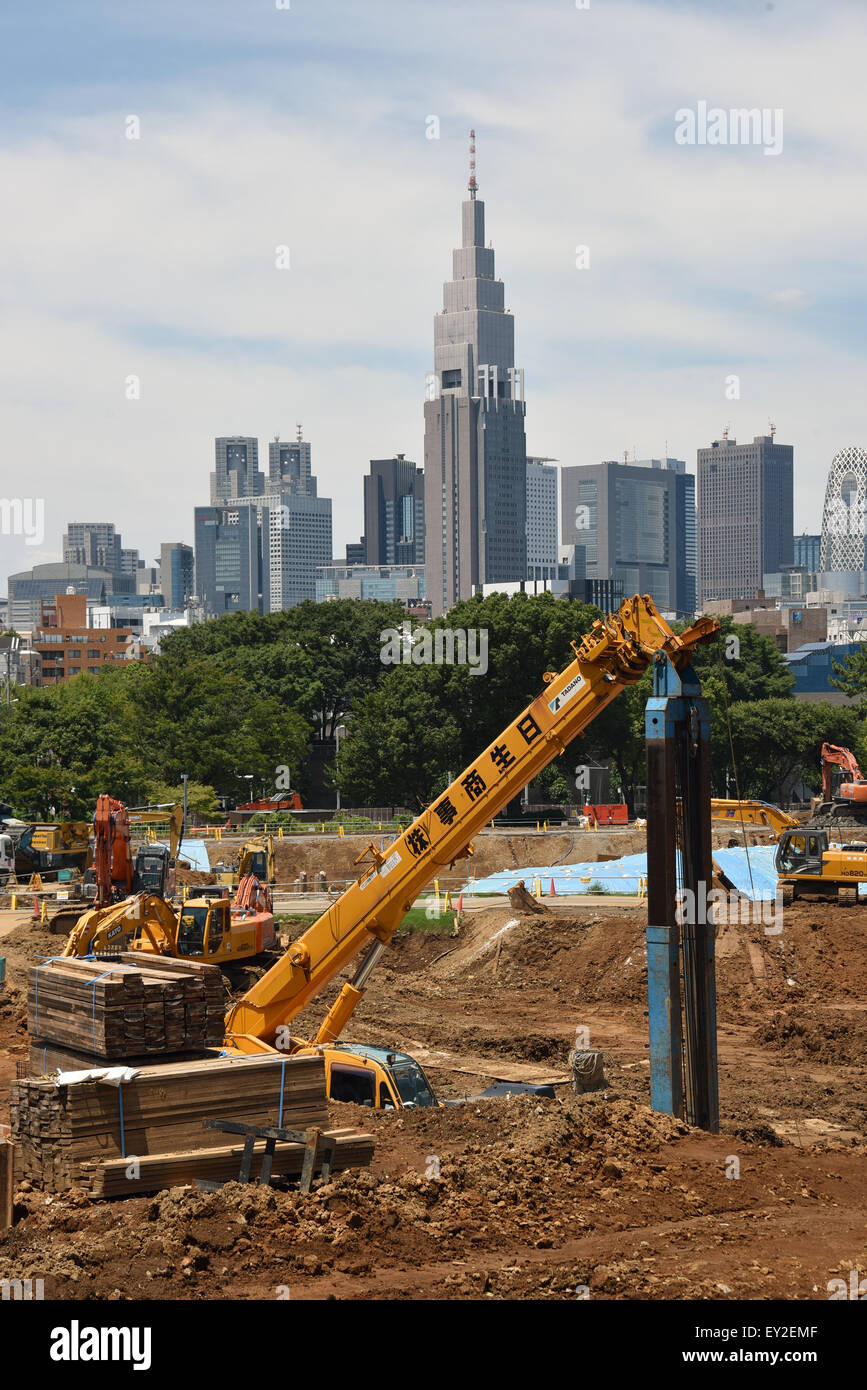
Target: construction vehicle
{"x": 46, "y": 848}
{"x": 211, "y": 930}
{"x": 846, "y": 805}
{"x": 613, "y": 655}
{"x": 114, "y": 873}
{"x": 257, "y": 857}
{"x": 752, "y": 813}
{"x": 807, "y": 864}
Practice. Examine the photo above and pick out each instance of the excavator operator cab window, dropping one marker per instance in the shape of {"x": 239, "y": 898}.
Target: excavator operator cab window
{"x": 411, "y": 1084}
{"x": 386, "y": 1100}
{"x": 191, "y": 931}
{"x": 802, "y": 854}
{"x": 259, "y": 864}
{"x": 215, "y": 931}
{"x": 356, "y": 1084}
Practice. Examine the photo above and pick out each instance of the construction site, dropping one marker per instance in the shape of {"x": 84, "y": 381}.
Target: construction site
{"x": 615, "y": 1061}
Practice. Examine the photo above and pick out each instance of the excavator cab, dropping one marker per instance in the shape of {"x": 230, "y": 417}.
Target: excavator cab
{"x": 800, "y": 852}
{"x": 152, "y": 871}
{"x": 203, "y": 928}
{"x": 376, "y": 1077}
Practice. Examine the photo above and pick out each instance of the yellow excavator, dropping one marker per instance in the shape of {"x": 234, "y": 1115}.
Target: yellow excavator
{"x": 257, "y": 857}
{"x": 211, "y": 930}
{"x": 609, "y": 658}
{"x": 807, "y": 863}
{"x": 752, "y": 813}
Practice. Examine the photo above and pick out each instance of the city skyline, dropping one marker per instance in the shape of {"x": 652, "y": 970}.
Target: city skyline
{"x": 682, "y": 292}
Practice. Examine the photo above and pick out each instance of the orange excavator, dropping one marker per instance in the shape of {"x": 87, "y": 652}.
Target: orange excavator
{"x": 845, "y": 805}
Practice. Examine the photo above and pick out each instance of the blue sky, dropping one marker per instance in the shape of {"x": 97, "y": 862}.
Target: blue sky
{"x": 306, "y": 127}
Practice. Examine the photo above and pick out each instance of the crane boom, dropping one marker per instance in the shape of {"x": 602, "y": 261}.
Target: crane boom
{"x": 613, "y": 655}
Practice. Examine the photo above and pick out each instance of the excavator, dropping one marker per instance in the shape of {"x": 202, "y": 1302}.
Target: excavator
{"x": 807, "y": 864}
{"x": 847, "y": 807}
{"x": 115, "y": 874}
{"x": 258, "y": 858}
{"x": 210, "y": 930}
{"x": 613, "y": 655}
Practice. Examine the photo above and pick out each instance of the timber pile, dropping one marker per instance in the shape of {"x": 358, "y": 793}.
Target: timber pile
{"x": 126, "y": 1005}
{"x": 116, "y": 1179}
{"x": 86, "y": 1134}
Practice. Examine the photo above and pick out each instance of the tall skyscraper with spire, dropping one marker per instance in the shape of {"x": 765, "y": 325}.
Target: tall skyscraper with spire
{"x": 475, "y": 451}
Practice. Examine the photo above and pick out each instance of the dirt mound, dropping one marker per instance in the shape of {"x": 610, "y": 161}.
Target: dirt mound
{"x": 30, "y": 943}
{"x": 603, "y": 956}
{"x": 828, "y": 1036}
{"x": 193, "y": 876}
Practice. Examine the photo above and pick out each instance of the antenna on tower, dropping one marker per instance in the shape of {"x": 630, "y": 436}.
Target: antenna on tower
{"x": 726, "y": 433}
{"x": 472, "y": 185}
{"x": 277, "y": 437}
{"x": 772, "y": 427}
{"x": 299, "y": 433}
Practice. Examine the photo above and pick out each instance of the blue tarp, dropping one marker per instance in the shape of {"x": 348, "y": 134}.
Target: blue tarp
{"x": 196, "y": 854}
{"x": 755, "y": 876}
{"x": 612, "y": 876}
{"x": 751, "y": 872}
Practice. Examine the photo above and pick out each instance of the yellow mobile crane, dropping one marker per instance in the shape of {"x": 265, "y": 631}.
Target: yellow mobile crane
{"x": 612, "y": 656}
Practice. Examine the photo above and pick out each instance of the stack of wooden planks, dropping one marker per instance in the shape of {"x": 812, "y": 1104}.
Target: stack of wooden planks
{"x": 127, "y": 1005}
{"x": 148, "y": 1133}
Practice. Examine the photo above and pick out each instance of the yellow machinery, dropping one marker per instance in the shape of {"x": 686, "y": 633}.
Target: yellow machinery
{"x": 612, "y": 656}
{"x": 752, "y": 813}
{"x": 257, "y": 858}
{"x": 210, "y": 930}
{"x": 805, "y": 863}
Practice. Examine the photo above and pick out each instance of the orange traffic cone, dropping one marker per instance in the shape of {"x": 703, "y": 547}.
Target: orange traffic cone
{"x": 460, "y": 902}
{"x": 553, "y": 893}
{"x": 36, "y": 907}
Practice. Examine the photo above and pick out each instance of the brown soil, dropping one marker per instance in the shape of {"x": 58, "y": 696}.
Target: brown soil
{"x": 537, "y": 1198}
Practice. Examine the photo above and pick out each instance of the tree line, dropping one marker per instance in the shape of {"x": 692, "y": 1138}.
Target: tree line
{"x": 231, "y": 701}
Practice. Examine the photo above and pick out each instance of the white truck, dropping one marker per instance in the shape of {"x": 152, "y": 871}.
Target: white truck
{"x": 7, "y": 857}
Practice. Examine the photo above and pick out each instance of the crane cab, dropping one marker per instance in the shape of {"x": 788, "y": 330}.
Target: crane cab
{"x": 806, "y": 863}
{"x": 377, "y": 1077}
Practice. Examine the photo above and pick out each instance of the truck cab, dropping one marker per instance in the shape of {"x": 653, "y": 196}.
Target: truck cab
{"x": 378, "y": 1077}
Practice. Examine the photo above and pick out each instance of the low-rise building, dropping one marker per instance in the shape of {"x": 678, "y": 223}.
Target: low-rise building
{"x": 68, "y": 647}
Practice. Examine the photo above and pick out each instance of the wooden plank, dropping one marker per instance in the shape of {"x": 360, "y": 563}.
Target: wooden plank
{"x": 7, "y": 1177}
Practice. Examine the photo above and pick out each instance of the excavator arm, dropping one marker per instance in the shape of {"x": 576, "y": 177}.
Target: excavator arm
{"x": 144, "y": 915}
{"x": 832, "y": 757}
{"x": 612, "y": 656}
{"x": 752, "y": 813}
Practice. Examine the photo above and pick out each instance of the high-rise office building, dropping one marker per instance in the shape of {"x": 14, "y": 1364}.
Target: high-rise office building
{"x": 177, "y": 574}
{"x": 94, "y": 543}
{"x": 296, "y": 541}
{"x": 542, "y": 503}
{"x": 636, "y": 524}
{"x": 289, "y": 467}
{"x": 237, "y": 469}
{"x": 475, "y": 452}
{"x": 745, "y": 506}
{"x": 228, "y": 559}
{"x": 805, "y": 552}
{"x": 394, "y": 512}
